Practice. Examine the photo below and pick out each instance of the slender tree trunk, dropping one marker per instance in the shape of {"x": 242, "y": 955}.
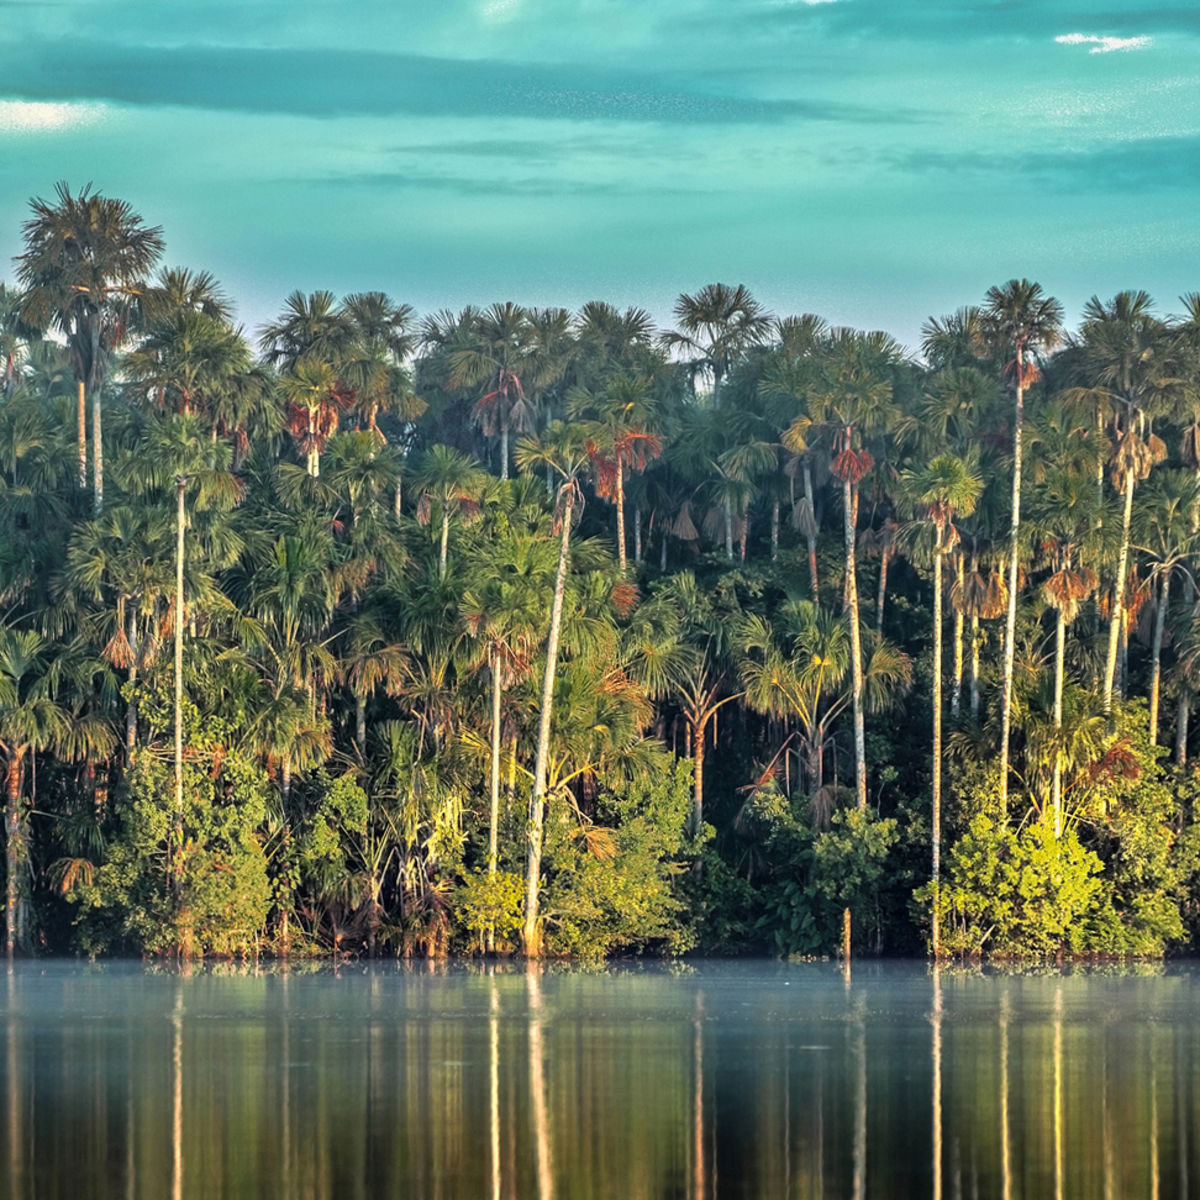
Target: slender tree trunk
{"x": 975, "y": 640}
{"x": 131, "y": 711}
{"x": 728, "y": 512}
{"x": 956, "y": 692}
{"x": 937, "y": 743}
{"x": 177, "y": 815}
{"x": 360, "y": 720}
{"x": 698, "y": 775}
{"x": 662, "y": 550}
{"x": 504, "y": 448}
{"x": 1118, "y": 601}
{"x": 744, "y": 535}
{"x": 1181, "y": 726}
{"x": 16, "y": 856}
{"x": 637, "y": 534}
{"x": 810, "y": 530}
{"x": 1160, "y": 621}
{"x": 885, "y": 558}
{"x": 97, "y": 453}
{"x": 850, "y": 497}
{"x": 494, "y": 805}
{"x": 531, "y": 933}
{"x": 445, "y": 545}
{"x": 1060, "y": 658}
{"x": 621, "y": 556}
{"x": 775, "y": 531}
{"x": 1010, "y": 624}
{"x": 81, "y": 431}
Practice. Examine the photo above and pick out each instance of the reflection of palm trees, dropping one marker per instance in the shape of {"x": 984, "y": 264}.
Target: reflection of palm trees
{"x": 177, "y": 1092}
{"x": 494, "y": 1081}
{"x": 936, "y": 1018}
{"x": 698, "y": 1173}
{"x": 1005, "y": 1131}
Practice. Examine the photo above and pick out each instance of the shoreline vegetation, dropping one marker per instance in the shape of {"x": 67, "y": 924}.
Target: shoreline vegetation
{"x": 533, "y": 632}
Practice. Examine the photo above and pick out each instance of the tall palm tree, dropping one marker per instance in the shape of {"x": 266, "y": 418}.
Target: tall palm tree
{"x": 1017, "y": 317}
{"x": 852, "y": 396}
{"x": 177, "y": 454}
{"x": 718, "y": 324}
{"x": 562, "y": 449}
{"x": 1126, "y": 355}
{"x": 945, "y": 488}
{"x": 85, "y": 263}
{"x": 454, "y": 483}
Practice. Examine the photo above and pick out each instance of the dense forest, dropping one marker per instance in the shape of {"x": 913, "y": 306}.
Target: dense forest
{"x": 525, "y": 630}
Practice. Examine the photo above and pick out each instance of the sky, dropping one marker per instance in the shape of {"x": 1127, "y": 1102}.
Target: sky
{"x": 874, "y": 161}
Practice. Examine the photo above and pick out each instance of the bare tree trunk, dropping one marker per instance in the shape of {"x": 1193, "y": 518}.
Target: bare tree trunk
{"x": 81, "y": 432}
{"x": 775, "y": 531}
{"x": 360, "y": 720}
{"x": 531, "y": 933}
{"x": 698, "y": 775}
{"x": 504, "y": 448}
{"x": 15, "y": 852}
{"x": 131, "y": 711}
{"x": 1010, "y": 624}
{"x": 637, "y": 533}
{"x": 445, "y": 543}
{"x": 97, "y": 453}
{"x": 956, "y": 691}
{"x": 1060, "y": 653}
{"x": 494, "y": 803}
{"x": 1160, "y": 620}
{"x": 885, "y": 559}
{"x": 621, "y": 556}
{"x": 1118, "y": 602}
{"x": 177, "y": 815}
{"x": 810, "y": 531}
{"x": 850, "y": 496}
{"x": 1181, "y": 726}
{"x": 935, "y": 939}
{"x": 728, "y": 512}
{"x": 975, "y": 640}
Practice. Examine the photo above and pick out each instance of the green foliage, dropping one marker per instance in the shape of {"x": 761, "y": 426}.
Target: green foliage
{"x": 611, "y": 886}
{"x": 1016, "y": 893}
{"x": 486, "y": 904}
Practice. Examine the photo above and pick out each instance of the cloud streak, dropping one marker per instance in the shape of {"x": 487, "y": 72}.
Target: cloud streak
{"x": 333, "y": 83}
{"x": 1103, "y": 45}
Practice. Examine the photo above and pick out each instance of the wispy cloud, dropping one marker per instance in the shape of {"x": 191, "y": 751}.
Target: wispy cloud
{"x": 1102, "y": 45}
{"x": 26, "y": 116}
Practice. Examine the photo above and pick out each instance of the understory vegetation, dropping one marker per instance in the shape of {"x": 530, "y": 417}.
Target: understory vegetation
{"x": 524, "y": 630}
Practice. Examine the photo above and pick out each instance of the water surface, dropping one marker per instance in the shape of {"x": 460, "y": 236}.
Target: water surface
{"x": 717, "y": 1080}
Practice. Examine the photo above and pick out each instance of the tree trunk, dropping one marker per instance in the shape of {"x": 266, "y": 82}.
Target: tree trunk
{"x": 360, "y": 721}
{"x": 177, "y": 815}
{"x": 956, "y": 693}
{"x": 97, "y": 453}
{"x": 637, "y": 534}
{"x": 531, "y": 934}
{"x": 1181, "y": 726}
{"x": 975, "y": 640}
{"x": 850, "y": 497}
{"x": 445, "y": 545}
{"x": 504, "y": 448}
{"x": 131, "y": 711}
{"x": 81, "y": 432}
{"x": 885, "y": 559}
{"x": 697, "y": 775}
{"x": 1160, "y": 620}
{"x": 16, "y": 856}
{"x": 935, "y": 939}
{"x": 810, "y": 532}
{"x": 621, "y": 557}
{"x": 1060, "y": 657}
{"x": 1118, "y": 602}
{"x": 1010, "y": 624}
{"x": 494, "y": 804}
{"x": 775, "y": 531}
{"x": 728, "y": 513}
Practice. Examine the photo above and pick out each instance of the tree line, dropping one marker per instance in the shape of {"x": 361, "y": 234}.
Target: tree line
{"x": 515, "y": 628}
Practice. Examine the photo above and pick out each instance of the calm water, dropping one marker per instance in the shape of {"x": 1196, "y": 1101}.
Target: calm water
{"x": 757, "y": 1081}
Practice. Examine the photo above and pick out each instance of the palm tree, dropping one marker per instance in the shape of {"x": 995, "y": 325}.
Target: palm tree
{"x": 562, "y": 449}
{"x": 177, "y": 452}
{"x": 945, "y": 488}
{"x": 454, "y": 483}
{"x": 496, "y": 349}
{"x": 1126, "y": 358}
{"x": 852, "y": 397}
{"x": 718, "y": 325}
{"x": 1019, "y": 317}
{"x": 85, "y": 262}
{"x": 33, "y": 718}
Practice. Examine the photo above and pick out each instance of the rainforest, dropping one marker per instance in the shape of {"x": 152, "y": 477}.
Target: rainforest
{"x": 519, "y": 630}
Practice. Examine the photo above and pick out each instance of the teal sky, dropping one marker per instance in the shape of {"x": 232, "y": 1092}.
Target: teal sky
{"x": 876, "y": 161}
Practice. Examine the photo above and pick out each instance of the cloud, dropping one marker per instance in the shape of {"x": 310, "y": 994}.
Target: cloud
{"x": 24, "y": 116}
{"x": 334, "y": 83}
{"x": 1128, "y": 167}
{"x": 1102, "y": 45}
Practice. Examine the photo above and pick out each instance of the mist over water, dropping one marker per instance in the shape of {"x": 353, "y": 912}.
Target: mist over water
{"x": 715, "y": 1080}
